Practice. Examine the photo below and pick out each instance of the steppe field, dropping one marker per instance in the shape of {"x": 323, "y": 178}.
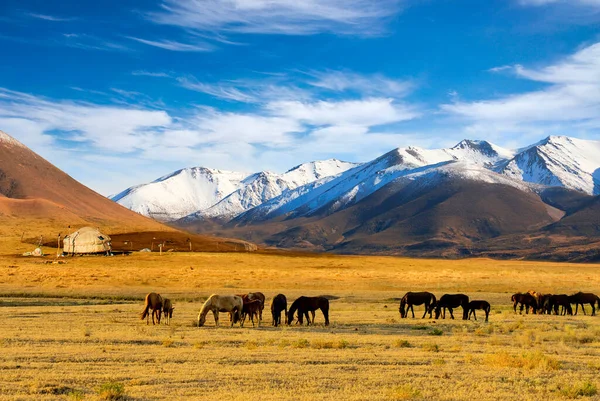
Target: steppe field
{"x": 72, "y": 331}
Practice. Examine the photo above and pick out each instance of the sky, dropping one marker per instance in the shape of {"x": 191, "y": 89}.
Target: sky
{"x": 119, "y": 93}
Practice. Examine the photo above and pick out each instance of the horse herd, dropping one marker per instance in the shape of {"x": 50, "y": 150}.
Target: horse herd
{"x": 240, "y": 307}
{"x": 548, "y": 303}
{"x": 243, "y": 306}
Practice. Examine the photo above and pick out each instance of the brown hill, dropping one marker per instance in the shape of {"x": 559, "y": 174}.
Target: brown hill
{"x": 37, "y": 199}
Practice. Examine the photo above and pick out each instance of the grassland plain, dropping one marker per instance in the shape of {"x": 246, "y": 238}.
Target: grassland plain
{"x": 72, "y": 331}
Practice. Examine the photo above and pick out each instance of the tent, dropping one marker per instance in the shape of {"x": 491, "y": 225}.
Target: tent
{"x": 86, "y": 240}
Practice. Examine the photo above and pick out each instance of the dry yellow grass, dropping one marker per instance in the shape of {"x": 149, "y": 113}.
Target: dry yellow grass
{"x": 72, "y": 331}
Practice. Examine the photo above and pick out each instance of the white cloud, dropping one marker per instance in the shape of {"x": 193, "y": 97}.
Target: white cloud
{"x": 144, "y": 73}
{"x": 149, "y": 143}
{"x": 372, "y": 85}
{"x": 290, "y": 17}
{"x": 367, "y": 112}
{"x": 175, "y": 46}
{"x": 572, "y": 95}
{"x": 246, "y": 91}
{"x": 47, "y": 17}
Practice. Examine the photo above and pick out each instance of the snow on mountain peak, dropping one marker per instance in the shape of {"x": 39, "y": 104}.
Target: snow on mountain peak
{"x": 201, "y": 192}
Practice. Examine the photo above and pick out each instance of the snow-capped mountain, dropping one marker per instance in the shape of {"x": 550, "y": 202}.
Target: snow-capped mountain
{"x": 559, "y": 161}
{"x": 202, "y": 192}
{"x": 181, "y": 193}
{"x": 261, "y": 187}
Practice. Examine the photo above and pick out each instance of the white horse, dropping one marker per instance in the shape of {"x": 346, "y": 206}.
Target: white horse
{"x": 221, "y": 303}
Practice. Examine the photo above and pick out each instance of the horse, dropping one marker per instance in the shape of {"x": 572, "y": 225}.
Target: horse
{"x": 278, "y": 304}
{"x": 260, "y": 297}
{"x": 581, "y": 298}
{"x": 484, "y": 305}
{"x": 168, "y": 310}
{"x": 308, "y": 304}
{"x": 221, "y": 303}
{"x": 417, "y": 298}
{"x": 525, "y": 300}
{"x": 251, "y": 308}
{"x": 538, "y": 299}
{"x": 155, "y": 302}
{"x": 251, "y": 296}
{"x": 451, "y": 301}
{"x": 541, "y": 301}
{"x": 562, "y": 300}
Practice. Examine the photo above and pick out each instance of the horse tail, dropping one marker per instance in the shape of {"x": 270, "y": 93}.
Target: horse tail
{"x": 144, "y": 313}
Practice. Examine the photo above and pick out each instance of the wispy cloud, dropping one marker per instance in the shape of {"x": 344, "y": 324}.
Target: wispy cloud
{"x": 52, "y": 18}
{"x": 306, "y": 17}
{"x": 371, "y": 85}
{"x": 570, "y": 100}
{"x": 175, "y": 46}
{"x": 144, "y": 73}
{"x": 231, "y": 140}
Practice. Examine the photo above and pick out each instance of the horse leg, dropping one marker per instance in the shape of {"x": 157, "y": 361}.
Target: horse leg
{"x": 487, "y": 313}
{"x": 216, "y": 316}
{"x": 582, "y": 308}
{"x": 474, "y": 314}
{"x": 412, "y": 309}
{"x": 425, "y": 313}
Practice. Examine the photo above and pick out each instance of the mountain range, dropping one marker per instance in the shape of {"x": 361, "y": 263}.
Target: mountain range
{"x": 474, "y": 198}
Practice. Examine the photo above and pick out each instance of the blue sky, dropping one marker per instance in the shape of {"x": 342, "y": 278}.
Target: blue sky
{"x": 117, "y": 93}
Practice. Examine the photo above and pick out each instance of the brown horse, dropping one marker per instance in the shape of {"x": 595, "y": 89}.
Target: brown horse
{"x": 251, "y": 296}
{"x": 451, "y": 301}
{"x": 482, "y": 305}
{"x": 526, "y": 300}
{"x": 278, "y": 304}
{"x": 251, "y": 308}
{"x": 417, "y": 298}
{"x": 581, "y": 298}
{"x": 168, "y": 310}
{"x": 308, "y": 304}
{"x": 155, "y": 302}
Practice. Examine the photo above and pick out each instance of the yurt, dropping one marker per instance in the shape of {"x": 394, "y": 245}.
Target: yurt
{"x": 86, "y": 240}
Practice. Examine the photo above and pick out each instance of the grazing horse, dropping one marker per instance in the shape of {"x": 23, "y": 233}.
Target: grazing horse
{"x": 541, "y": 301}
{"x": 417, "y": 298}
{"x": 581, "y": 298}
{"x": 260, "y": 297}
{"x": 221, "y": 303}
{"x": 451, "y": 301}
{"x": 168, "y": 310}
{"x": 155, "y": 302}
{"x": 562, "y": 300}
{"x": 538, "y": 299}
{"x": 251, "y": 308}
{"x": 308, "y": 304}
{"x": 525, "y": 300}
{"x": 483, "y": 305}
{"x": 278, "y": 304}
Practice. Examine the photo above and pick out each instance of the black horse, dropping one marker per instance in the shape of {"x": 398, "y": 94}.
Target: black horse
{"x": 526, "y": 300}
{"x": 308, "y": 304}
{"x": 417, "y": 298}
{"x": 451, "y": 301}
{"x": 278, "y": 304}
{"x": 581, "y": 298}
{"x": 555, "y": 301}
{"x": 483, "y": 305}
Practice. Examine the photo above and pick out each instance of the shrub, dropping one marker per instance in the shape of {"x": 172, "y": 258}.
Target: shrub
{"x": 301, "y": 343}
{"x": 402, "y": 344}
{"x": 579, "y": 389}
{"x": 431, "y": 347}
{"x": 111, "y": 391}
{"x": 436, "y": 332}
{"x": 404, "y": 392}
